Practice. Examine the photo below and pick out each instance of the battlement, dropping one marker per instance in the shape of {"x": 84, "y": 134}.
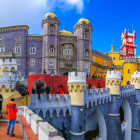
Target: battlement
{"x": 80, "y": 78}
{"x": 97, "y": 97}
{"x": 136, "y": 74}
{"x": 113, "y": 75}
{"x": 9, "y": 63}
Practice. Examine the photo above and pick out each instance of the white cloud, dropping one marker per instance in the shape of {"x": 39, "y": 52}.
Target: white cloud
{"x": 30, "y": 12}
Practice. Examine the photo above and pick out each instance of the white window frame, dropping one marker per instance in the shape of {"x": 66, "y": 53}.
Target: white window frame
{"x": 17, "y": 48}
{"x": 64, "y": 51}
{"x": 85, "y": 65}
{"x": 32, "y": 62}
{"x": 114, "y": 57}
{"x": 51, "y": 50}
{"x": 128, "y": 71}
{"x": 69, "y": 51}
{"x": 94, "y": 59}
{"x": 86, "y": 53}
{"x": 32, "y": 49}
{"x": 2, "y": 48}
{"x": 18, "y": 61}
{"x": 50, "y": 62}
{"x": 105, "y": 63}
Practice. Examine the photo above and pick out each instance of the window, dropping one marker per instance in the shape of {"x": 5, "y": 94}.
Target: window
{"x": 94, "y": 59}
{"x": 32, "y": 49}
{"x": 18, "y": 61}
{"x": 17, "y": 38}
{"x": 17, "y": 48}
{"x": 50, "y": 62}
{"x": 86, "y": 53}
{"x": 85, "y": 65}
{"x": 130, "y": 51}
{"x": 128, "y": 71}
{"x": 96, "y": 68}
{"x": 18, "y": 74}
{"x": 86, "y": 34}
{"x": 114, "y": 58}
{"x": 51, "y": 49}
{"x": 69, "y": 51}
{"x": 104, "y": 63}
{"x": 32, "y": 62}
{"x": 52, "y": 29}
{"x": 2, "y": 48}
{"x": 64, "y": 51}
{"x": 1, "y": 37}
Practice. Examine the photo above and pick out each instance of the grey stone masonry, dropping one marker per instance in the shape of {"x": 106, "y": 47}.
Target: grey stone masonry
{"x": 29, "y": 112}
{"x": 36, "y": 118}
{"x": 49, "y": 130}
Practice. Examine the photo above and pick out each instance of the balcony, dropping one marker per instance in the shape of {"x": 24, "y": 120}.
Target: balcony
{"x": 6, "y": 54}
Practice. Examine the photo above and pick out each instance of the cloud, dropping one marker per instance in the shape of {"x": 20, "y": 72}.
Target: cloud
{"x": 31, "y": 12}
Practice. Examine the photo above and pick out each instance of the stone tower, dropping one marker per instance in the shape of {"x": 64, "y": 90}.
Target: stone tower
{"x": 76, "y": 87}
{"x": 83, "y": 31}
{"x": 113, "y": 81}
{"x": 50, "y": 26}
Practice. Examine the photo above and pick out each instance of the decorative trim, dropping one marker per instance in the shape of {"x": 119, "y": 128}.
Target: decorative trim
{"x": 114, "y": 115}
{"x": 77, "y": 105}
{"x": 136, "y": 129}
{"x": 136, "y": 103}
{"x": 77, "y": 134}
{"x": 14, "y": 28}
{"x": 35, "y": 38}
{"x": 51, "y": 21}
{"x": 89, "y": 27}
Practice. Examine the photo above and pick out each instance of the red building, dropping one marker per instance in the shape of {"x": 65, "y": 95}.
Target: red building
{"x": 128, "y": 48}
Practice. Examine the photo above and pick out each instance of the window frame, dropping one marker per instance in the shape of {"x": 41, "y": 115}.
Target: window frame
{"x": 17, "y": 61}
{"x": 105, "y": 63}
{"x": 114, "y": 57}
{"x": 50, "y": 27}
{"x": 19, "y": 49}
{"x": 32, "y": 60}
{"x": 32, "y": 47}
{"x": 86, "y": 34}
{"x": 128, "y": 71}
{"x": 3, "y": 47}
{"x": 94, "y": 59}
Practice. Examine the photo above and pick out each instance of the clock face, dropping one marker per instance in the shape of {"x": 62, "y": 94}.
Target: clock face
{"x": 129, "y": 39}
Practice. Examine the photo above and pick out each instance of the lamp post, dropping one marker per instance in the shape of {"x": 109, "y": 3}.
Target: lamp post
{"x": 52, "y": 75}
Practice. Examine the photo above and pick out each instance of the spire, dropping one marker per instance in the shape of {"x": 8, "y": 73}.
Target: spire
{"x": 125, "y": 29}
{"x": 50, "y": 11}
{"x": 63, "y": 27}
{"x": 83, "y": 16}
{"x": 128, "y": 30}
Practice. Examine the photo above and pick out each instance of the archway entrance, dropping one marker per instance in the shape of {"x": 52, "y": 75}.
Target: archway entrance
{"x": 128, "y": 83}
{"x": 65, "y": 74}
{"x": 126, "y": 118}
{"x": 38, "y": 84}
{"x": 96, "y": 126}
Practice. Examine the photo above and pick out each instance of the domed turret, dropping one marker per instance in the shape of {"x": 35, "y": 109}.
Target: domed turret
{"x": 84, "y": 20}
{"x": 52, "y": 15}
{"x": 64, "y": 32}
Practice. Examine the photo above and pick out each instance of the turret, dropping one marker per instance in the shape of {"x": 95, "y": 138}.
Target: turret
{"x": 83, "y": 31}
{"x": 135, "y": 79}
{"x": 112, "y": 47}
{"x": 125, "y": 33}
{"x": 134, "y": 35}
{"x": 76, "y": 87}
{"x": 50, "y": 31}
{"x": 113, "y": 81}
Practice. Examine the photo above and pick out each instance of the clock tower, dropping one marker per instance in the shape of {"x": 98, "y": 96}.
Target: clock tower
{"x": 128, "y": 48}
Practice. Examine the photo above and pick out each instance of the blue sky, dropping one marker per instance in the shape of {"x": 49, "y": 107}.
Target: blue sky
{"x": 108, "y": 17}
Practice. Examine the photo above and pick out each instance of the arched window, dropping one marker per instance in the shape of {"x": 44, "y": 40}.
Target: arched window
{"x": 17, "y": 48}
{"x": 69, "y": 51}
{"x": 32, "y": 62}
{"x": 86, "y": 34}
{"x": 18, "y": 61}
{"x": 64, "y": 51}
{"x": 85, "y": 65}
{"x": 50, "y": 62}
{"x": 130, "y": 51}
{"x": 2, "y": 48}
{"x": 86, "y": 53}
{"x": 128, "y": 71}
{"x": 51, "y": 49}
{"x": 32, "y": 49}
{"x": 52, "y": 29}
{"x": 94, "y": 59}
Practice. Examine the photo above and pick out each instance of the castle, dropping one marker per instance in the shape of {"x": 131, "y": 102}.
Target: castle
{"x": 105, "y": 114}
{"x": 60, "y": 51}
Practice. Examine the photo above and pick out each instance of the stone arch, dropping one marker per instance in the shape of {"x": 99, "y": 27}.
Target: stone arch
{"x": 40, "y": 114}
{"x": 39, "y": 81}
{"x": 6, "y": 69}
{"x": 47, "y": 116}
{"x": 95, "y": 120}
{"x": 12, "y": 69}
{"x": 128, "y": 118}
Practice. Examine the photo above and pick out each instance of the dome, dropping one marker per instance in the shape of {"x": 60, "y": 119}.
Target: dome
{"x": 52, "y": 15}
{"x": 64, "y": 32}
{"x": 84, "y": 20}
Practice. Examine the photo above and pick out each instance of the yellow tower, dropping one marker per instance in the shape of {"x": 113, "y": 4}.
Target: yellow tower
{"x": 135, "y": 80}
{"x": 76, "y": 87}
{"x": 113, "y": 81}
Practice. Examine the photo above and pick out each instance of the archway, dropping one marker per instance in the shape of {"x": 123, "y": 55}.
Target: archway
{"x": 128, "y": 83}
{"x": 96, "y": 126}
{"x": 38, "y": 84}
{"x": 126, "y": 117}
{"x": 65, "y": 74}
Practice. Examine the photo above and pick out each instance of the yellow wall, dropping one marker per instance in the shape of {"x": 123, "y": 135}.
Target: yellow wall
{"x": 127, "y": 77}
{"x": 7, "y": 97}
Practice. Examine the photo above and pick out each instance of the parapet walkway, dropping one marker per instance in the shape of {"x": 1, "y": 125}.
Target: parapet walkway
{"x": 3, "y": 128}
